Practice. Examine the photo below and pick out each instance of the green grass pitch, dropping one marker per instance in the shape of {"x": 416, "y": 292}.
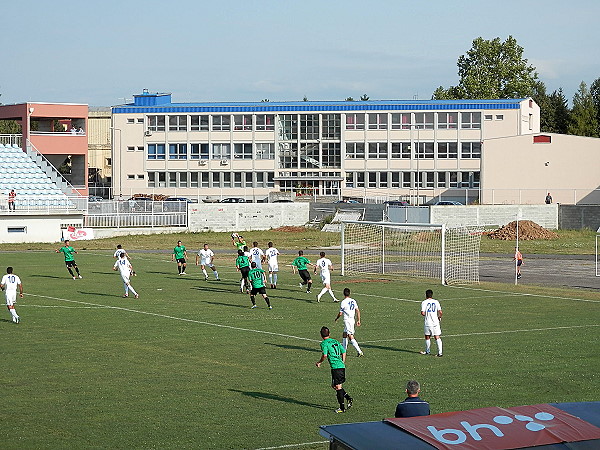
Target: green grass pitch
{"x": 189, "y": 364}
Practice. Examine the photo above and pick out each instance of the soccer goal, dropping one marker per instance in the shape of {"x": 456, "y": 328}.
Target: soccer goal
{"x": 450, "y": 255}
{"x": 597, "y": 256}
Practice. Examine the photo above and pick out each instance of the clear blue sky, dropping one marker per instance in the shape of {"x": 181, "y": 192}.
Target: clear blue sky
{"x": 100, "y": 52}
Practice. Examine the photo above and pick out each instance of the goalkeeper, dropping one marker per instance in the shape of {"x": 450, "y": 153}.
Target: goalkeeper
{"x": 238, "y": 241}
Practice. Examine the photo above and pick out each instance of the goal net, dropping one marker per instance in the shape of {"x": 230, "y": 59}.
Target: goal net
{"x": 450, "y": 255}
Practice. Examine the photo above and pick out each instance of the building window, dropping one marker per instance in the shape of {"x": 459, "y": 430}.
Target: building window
{"x": 156, "y": 151}
{"x": 488, "y": 116}
{"x": 130, "y": 120}
{"x": 172, "y": 179}
{"x": 156, "y": 123}
{"x": 378, "y": 150}
{"x": 424, "y": 150}
{"x": 265, "y": 122}
{"x": 470, "y": 150}
{"x": 288, "y": 127}
{"x": 355, "y": 121}
{"x": 401, "y": 121}
{"x": 424, "y": 121}
{"x": 199, "y": 123}
{"x": 130, "y": 177}
{"x": 499, "y": 116}
{"x": 349, "y": 179}
{"x": 140, "y": 177}
{"x": 476, "y": 178}
{"x": 395, "y": 183}
{"x": 309, "y": 156}
{"x": 237, "y": 179}
{"x": 242, "y": 151}
{"x": 242, "y": 122}
{"x": 131, "y": 149}
{"x": 309, "y": 127}
{"x": 265, "y": 151}
{"x": 215, "y": 179}
{"x": 177, "y": 123}
{"x": 226, "y": 179}
{"x": 470, "y": 120}
{"x": 221, "y": 151}
{"x": 360, "y": 179}
{"x": 406, "y": 180}
{"x": 447, "y": 120}
{"x": 248, "y": 180}
{"x": 270, "y": 179}
{"x": 401, "y": 150}
{"x": 193, "y": 179}
{"x": 447, "y": 150}
{"x": 441, "y": 179}
{"x": 151, "y": 179}
{"x": 183, "y": 179}
{"x": 221, "y": 123}
{"x": 199, "y": 151}
{"x": 372, "y": 177}
{"x": 140, "y": 149}
{"x": 204, "y": 179}
{"x": 140, "y": 120}
{"x": 108, "y": 161}
{"x": 260, "y": 179}
{"x": 177, "y": 151}
{"x": 288, "y": 155}
{"x": 332, "y": 128}
{"x": 331, "y": 155}
{"x": 383, "y": 179}
{"x": 453, "y": 179}
{"x": 355, "y": 150}
{"x": 378, "y": 121}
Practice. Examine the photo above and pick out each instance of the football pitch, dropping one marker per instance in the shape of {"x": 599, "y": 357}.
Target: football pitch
{"x": 189, "y": 364}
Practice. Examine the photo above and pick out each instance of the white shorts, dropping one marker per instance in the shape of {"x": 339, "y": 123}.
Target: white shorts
{"x": 207, "y": 263}
{"x": 273, "y": 268}
{"x": 125, "y": 279}
{"x": 11, "y": 298}
{"x": 326, "y": 278}
{"x": 349, "y": 326}
{"x": 433, "y": 330}
{"x": 258, "y": 264}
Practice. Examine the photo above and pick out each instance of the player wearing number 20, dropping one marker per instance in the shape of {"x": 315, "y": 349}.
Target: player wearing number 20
{"x": 432, "y": 311}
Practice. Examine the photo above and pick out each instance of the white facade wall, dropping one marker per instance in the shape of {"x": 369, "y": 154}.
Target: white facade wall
{"x": 38, "y": 228}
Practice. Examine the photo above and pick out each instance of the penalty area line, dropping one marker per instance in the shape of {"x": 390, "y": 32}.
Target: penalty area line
{"x": 165, "y": 316}
{"x": 486, "y": 333}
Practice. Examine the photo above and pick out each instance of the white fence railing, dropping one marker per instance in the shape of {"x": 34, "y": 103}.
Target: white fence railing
{"x": 136, "y": 213}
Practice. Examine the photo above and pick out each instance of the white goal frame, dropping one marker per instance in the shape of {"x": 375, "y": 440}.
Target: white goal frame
{"x": 597, "y": 255}
{"x": 450, "y": 254}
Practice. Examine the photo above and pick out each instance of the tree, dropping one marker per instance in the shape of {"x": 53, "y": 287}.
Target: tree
{"x": 543, "y": 101}
{"x": 560, "y": 112}
{"x": 305, "y": 99}
{"x": 490, "y": 70}
{"x": 595, "y": 91}
{"x": 364, "y": 98}
{"x": 349, "y": 99}
{"x": 584, "y": 117}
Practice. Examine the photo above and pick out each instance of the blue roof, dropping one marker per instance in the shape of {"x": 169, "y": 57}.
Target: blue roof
{"x": 334, "y": 106}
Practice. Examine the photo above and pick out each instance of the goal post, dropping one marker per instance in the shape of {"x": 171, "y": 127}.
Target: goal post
{"x": 449, "y": 254}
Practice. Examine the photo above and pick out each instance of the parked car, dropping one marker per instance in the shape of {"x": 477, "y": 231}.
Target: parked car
{"x": 178, "y": 199}
{"x": 233, "y": 200}
{"x": 447, "y": 203}
{"x": 397, "y": 203}
{"x": 95, "y": 198}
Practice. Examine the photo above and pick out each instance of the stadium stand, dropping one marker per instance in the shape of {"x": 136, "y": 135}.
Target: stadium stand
{"x": 335, "y": 225}
{"x": 34, "y": 188}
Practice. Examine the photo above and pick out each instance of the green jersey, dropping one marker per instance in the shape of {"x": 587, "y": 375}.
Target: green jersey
{"x": 240, "y": 245}
{"x": 242, "y": 261}
{"x": 333, "y": 350}
{"x": 179, "y": 252}
{"x": 68, "y": 252}
{"x": 256, "y": 277}
{"x": 300, "y": 262}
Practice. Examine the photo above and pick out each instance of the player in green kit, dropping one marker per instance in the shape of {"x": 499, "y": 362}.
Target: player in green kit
{"x": 238, "y": 241}
{"x": 257, "y": 279}
{"x": 179, "y": 254}
{"x": 242, "y": 264}
{"x": 301, "y": 262}
{"x": 336, "y": 355}
{"x": 68, "y": 251}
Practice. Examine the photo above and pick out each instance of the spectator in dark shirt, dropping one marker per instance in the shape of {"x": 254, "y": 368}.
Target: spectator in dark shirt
{"x": 412, "y": 406}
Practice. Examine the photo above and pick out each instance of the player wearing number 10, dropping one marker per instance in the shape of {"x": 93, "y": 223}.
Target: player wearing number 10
{"x": 9, "y": 284}
{"x": 432, "y": 311}
{"x": 257, "y": 279}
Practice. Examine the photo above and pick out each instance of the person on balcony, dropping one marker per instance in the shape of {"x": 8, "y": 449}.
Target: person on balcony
{"x": 12, "y": 195}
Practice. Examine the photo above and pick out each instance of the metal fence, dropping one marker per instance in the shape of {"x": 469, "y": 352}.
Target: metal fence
{"x": 136, "y": 213}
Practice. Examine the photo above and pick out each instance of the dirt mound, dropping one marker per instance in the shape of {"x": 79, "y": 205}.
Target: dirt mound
{"x": 289, "y": 229}
{"x": 528, "y": 231}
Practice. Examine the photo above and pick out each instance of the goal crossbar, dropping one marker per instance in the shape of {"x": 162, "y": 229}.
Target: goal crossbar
{"x": 450, "y": 254}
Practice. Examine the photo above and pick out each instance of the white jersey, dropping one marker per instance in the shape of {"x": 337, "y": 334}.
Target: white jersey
{"x": 205, "y": 256}
{"x": 124, "y": 267}
{"x": 431, "y": 307}
{"x": 324, "y": 264}
{"x": 10, "y": 281}
{"x": 348, "y": 309}
{"x": 257, "y": 256}
{"x": 119, "y": 252}
{"x": 271, "y": 255}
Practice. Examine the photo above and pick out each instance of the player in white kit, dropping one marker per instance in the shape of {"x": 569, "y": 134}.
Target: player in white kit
{"x": 432, "y": 311}
{"x": 124, "y": 266}
{"x": 271, "y": 256}
{"x": 349, "y": 309}
{"x": 9, "y": 285}
{"x": 326, "y": 267}
{"x": 206, "y": 257}
{"x": 118, "y": 253}
{"x": 257, "y": 255}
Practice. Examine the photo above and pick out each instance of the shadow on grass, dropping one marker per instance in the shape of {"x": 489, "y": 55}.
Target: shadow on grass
{"x": 227, "y": 304}
{"x": 6, "y": 320}
{"x": 393, "y": 349}
{"x": 294, "y": 347}
{"x": 101, "y": 294}
{"x": 279, "y": 398}
{"x": 47, "y": 276}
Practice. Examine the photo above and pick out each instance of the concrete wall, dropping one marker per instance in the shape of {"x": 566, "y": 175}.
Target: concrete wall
{"x": 38, "y": 228}
{"x": 576, "y": 217}
{"x": 544, "y": 215}
{"x": 245, "y": 216}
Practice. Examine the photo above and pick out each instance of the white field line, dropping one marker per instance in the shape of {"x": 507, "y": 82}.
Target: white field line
{"x": 165, "y": 316}
{"x": 293, "y": 445}
{"x": 29, "y": 305}
{"x": 526, "y": 330}
{"x": 526, "y": 294}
